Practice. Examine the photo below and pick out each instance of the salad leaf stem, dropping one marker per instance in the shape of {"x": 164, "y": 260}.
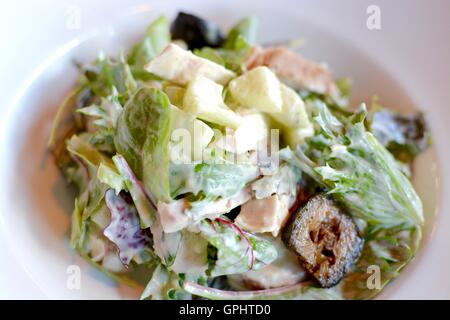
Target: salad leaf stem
{"x": 59, "y": 115}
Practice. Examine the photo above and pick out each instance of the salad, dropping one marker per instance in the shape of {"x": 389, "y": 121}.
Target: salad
{"x": 218, "y": 168}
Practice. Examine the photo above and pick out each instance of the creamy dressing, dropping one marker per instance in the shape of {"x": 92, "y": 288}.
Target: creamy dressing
{"x": 178, "y": 214}
{"x": 285, "y": 270}
{"x": 192, "y": 255}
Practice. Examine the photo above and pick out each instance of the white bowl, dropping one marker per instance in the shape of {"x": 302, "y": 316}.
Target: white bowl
{"x": 404, "y": 63}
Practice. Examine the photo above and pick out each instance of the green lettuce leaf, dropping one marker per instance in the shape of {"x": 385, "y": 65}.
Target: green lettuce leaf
{"x": 192, "y": 255}
{"x": 156, "y": 39}
{"x": 157, "y": 285}
{"x": 106, "y": 113}
{"x": 105, "y": 75}
{"x": 78, "y": 227}
{"x": 67, "y": 102}
{"x": 93, "y": 190}
{"x": 213, "y": 180}
{"x": 95, "y": 193}
{"x": 235, "y": 49}
{"x": 103, "y": 140}
{"x": 142, "y": 137}
{"x": 164, "y": 285}
{"x": 359, "y": 172}
{"x": 283, "y": 181}
{"x": 111, "y": 177}
{"x": 81, "y": 148}
{"x": 246, "y": 29}
{"x": 234, "y": 251}
{"x": 390, "y": 251}
{"x": 211, "y": 54}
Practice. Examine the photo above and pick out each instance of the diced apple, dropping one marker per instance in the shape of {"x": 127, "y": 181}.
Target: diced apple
{"x": 203, "y": 98}
{"x": 198, "y": 135}
{"x": 181, "y": 66}
{"x": 293, "y": 113}
{"x": 264, "y": 215}
{"x": 257, "y": 89}
{"x": 248, "y": 136}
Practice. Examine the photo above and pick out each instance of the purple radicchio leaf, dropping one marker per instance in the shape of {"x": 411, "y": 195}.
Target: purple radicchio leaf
{"x": 125, "y": 230}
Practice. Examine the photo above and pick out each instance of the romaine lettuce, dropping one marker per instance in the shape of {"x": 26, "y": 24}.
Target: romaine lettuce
{"x": 142, "y": 137}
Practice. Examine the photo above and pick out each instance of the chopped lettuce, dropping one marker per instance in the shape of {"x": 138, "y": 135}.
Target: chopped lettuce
{"x": 157, "y": 285}
{"x": 106, "y": 113}
{"x": 111, "y": 178}
{"x": 105, "y": 76}
{"x": 156, "y": 39}
{"x": 236, "y": 47}
{"x": 67, "y": 102}
{"x": 213, "y": 180}
{"x": 95, "y": 194}
{"x": 244, "y": 30}
{"x": 390, "y": 250}
{"x": 164, "y": 285}
{"x": 283, "y": 181}
{"x": 210, "y": 54}
{"x": 142, "y": 137}
{"x": 79, "y": 147}
{"x": 78, "y": 227}
{"x": 235, "y": 250}
{"x": 358, "y": 171}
